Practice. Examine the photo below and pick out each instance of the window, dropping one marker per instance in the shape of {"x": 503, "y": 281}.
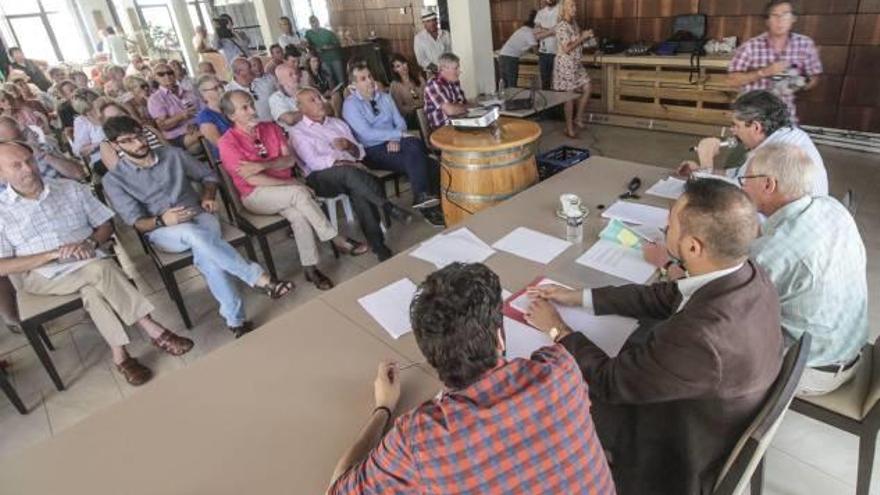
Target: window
{"x": 155, "y": 16}
{"x": 303, "y": 9}
{"x": 37, "y": 26}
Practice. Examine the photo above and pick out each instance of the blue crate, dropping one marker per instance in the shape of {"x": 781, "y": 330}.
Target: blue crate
{"x": 558, "y": 159}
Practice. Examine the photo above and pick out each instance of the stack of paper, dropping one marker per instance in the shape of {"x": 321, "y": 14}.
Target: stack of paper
{"x": 670, "y": 188}
{"x": 637, "y": 213}
{"x": 389, "y": 306}
{"x": 55, "y": 269}
{"x": 532, "y": 245}
{"x": 462, "y": 246}
{"x": 617, "y": 260}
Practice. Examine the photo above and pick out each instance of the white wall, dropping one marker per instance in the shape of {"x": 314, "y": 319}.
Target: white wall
{"x": 471, "y": 31}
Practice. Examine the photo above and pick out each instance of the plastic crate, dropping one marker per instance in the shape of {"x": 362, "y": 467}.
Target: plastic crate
{"x": 558, "y": 159}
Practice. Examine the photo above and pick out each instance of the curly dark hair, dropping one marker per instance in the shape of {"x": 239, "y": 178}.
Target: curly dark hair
{"x": 763, "y": 107}
{"x": 455, "y": 315}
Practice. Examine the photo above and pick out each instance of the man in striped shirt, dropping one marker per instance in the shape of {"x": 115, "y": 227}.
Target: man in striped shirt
{"x": 443, "y": 94}
{"x": 503, "y": 427}
{"x": 811, "y": 249}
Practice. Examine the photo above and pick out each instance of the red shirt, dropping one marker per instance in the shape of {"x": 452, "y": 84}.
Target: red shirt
{"x": 236, "y": 146}
{"x": 524, "y": 427}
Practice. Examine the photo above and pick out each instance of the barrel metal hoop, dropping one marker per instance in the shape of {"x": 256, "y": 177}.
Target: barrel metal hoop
{"x": 471, "y": 155}
{"x": 478, "y": 198}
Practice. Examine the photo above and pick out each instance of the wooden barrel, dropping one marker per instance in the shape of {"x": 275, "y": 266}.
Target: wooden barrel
{"x": 481, "y": 168}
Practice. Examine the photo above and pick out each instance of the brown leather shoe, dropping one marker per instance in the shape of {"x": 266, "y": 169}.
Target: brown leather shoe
{"x": 134, "y": 372}
{"x": 173, "y": 344}
{"x": 321, "y": 281}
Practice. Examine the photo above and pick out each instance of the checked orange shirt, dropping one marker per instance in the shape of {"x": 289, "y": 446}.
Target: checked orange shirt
{"x": 525, "y": 428}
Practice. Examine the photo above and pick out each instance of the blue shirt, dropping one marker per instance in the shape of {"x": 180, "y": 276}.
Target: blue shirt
{"x": 814, "y": 255}
{"x": 208, "y": 116}
{"x": 372, "y": 128}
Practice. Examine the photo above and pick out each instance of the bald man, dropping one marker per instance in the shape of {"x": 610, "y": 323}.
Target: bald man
{"x": 260, "y": 88}
{"x": 282, "y": 103}
{"x": 50, "y": 162}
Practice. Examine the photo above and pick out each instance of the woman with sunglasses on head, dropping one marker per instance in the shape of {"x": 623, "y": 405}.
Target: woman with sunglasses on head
{"x": 174, "y": 110}
{"x": 407, "y": 89}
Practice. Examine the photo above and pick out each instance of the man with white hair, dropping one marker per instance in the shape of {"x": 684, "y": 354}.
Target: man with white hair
{"x": 430, "y": 43}
{"x": 444, "y": 96}
{"x": 260, "y": 88}
{"x": 811, "y": 248}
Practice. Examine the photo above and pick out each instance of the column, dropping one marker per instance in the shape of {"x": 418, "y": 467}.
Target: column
{"x": 185, "y": 32}
{"x": 268, "y": 12}
{"x": 471, "y": 30}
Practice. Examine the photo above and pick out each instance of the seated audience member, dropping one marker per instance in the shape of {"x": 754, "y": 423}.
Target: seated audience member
{"x": 56, "y": 75}
{"x": 381, "y": 129}
{"x": 320, "y": 78}
{"x": 443, "y": 94}
{"x": 80, "y": 79}
{"x": 292, "y": 59}
{"x": 537, "y": 409}
{"x": 183, "y": 80}
{"x": 112, "y": 89}
{"x": 760, "y": 118}
{"x": 73, "y": 223}
{"x": 260, "y": 89}
{"x": 811, "y": 249}
{"x": 64, "y": 107}
{"x": 259, "y": 161}
{"x": 39, "y": 99}
{"x": 136, "y": 66}
{"x": 26, "y": 112}
{"x": 282, "y": 103}
{"x": 671, "y": 409}
{"x": 51, "y": 163}
{"x": 212, "y": 123}
{"x": 137, "y": 99}
{"x": 207, "y": 69}
{"x": 407, "y": 89}
{"x": 152, "y": 191}
{"x": 111, "y": 155}
{"x": 331, "y": 161}
{"x": 87, "y": 131}
{"x": 174, "y": 109}
{"x": 276, "y": 58}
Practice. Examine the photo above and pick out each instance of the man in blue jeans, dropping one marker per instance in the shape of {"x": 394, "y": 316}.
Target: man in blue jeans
{"x": 152, "y": 190}
{"x": 379, "y": 126}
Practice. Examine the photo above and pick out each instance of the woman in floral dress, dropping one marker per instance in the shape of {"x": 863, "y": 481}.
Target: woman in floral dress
{"x": 569, "y": 73}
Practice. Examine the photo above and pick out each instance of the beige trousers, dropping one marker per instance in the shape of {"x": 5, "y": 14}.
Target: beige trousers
{"x": 815, "y": 382}
{"x": 296, "y": 204}
{"x": 106, "y": 293}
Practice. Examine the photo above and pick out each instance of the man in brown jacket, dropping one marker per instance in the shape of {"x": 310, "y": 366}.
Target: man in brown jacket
{"x": 670, "y": 410}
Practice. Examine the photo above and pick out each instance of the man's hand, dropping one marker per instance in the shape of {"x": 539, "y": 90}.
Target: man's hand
{"x": 543, "y": 316}
{"x": 77, "y": 250}
{"x": 655, "y": 254}
{"x": 707, "y": 150}
{"x": 387, "y": 385}
{"x": 177, "y": 215}
{"x": 343, "y": 144}
{"x": 557, "y": 294}
{"x": 249, "y": 169}
{"x": 209, "y": 204}
{"x": 687, "y": 167}
{"x": 775, "y": 69}
{"x": 393, "y": 146}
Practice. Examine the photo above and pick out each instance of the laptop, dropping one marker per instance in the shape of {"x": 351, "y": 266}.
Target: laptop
{"x": 523, "y": 103}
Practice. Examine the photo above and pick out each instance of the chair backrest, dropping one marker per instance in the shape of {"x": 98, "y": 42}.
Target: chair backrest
{"x": 228, "y": 192}
{"x": 849, "y": 201}
{"x": 873, "y": 393}
{"x": 425, "y": 128}
{"x": 750, "y": 448}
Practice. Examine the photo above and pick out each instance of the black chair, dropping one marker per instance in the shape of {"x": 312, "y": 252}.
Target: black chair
{"x": 34, "y": 311}
{"x": 745, "y": 465}
{"x": 850, "y": 202}
{"x": 10, "y": 392}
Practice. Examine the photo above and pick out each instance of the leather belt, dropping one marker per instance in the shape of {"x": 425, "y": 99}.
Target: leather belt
{"x": 837, "y": 368}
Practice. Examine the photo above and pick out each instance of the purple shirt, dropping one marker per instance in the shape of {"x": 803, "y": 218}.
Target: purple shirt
{"x": 164, "y": 103}
{"x": 313, "y": 142}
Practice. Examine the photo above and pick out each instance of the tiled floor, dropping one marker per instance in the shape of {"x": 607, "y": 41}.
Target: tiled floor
{"x": 806, "y": 457}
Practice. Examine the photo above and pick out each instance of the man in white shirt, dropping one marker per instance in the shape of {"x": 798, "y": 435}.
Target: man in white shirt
{"x": 521, "y": 41}
{"x": 282, "y": 103}
{"x": 430, "y": 43}
{"x": 260, "y": 88}
{"x": 760, "y": 118}
{"x": 117, "y": 47}
{"x": 547, "y": 18}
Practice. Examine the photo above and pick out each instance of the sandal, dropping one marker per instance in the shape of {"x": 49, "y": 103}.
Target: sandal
{"x": 321, "y": 281}
{"x": 352, "y": 247}
{"x": 276, "y": 289}
{"x": 173, "y": 344}
{"x": 134, "y": 372}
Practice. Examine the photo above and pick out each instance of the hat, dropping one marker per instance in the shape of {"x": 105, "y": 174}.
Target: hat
{"x": 427, "y": 15}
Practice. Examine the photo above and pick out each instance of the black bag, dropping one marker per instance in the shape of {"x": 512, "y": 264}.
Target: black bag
{"x": 689, "y": 33}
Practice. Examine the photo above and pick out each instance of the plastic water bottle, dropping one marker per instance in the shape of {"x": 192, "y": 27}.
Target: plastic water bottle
{"x": 574, "y": 229}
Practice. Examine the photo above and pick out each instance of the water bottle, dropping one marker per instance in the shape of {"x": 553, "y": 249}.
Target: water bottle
{"x": 574, "y": 229}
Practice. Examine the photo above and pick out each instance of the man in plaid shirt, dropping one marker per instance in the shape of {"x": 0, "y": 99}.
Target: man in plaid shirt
{"x": 761, "y": 62}
{"x": 520, "y": 426}
{"x": 443, "y": 94}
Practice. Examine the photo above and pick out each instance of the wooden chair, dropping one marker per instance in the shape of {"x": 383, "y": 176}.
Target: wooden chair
{"x": 849, "y": 201}
{"x": 10, "y": 392}
{"x": 425, "y": 129}
{"x": 745, "y": 465}
{"x": 853, "y": 408}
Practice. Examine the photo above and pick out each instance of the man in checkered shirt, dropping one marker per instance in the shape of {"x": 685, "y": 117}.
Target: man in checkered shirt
{"x": 502, "y": 427}
{"x": 443, "y": 94}
{"x": 49, "y": 221}
{"x": 763, "y": 61}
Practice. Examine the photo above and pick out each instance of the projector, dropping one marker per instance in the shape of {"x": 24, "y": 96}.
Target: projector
{"x": 476, "y": 118}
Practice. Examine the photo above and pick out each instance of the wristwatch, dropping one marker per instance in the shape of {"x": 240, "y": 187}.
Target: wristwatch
{"x": 92, "y": 242}
{"x": 159, "y": 221}
{"x": 557, "y": 333}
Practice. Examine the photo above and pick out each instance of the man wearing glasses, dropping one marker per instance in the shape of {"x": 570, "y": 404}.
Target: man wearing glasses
{"x": 174, "y": 109}
{"x": 778, "y": 60}
{"x": 260, "y": 88}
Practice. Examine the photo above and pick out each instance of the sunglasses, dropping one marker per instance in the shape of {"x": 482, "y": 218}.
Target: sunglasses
{"x": 165, "y": 73}
{"x": 375, "y": 106}
{"x": 261, "y": 148}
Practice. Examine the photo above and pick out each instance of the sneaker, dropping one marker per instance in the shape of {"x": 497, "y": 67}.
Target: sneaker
{"x": 435, "y": 217}
{"x": 397, "y": 213}
{"x": 423, "y": 201}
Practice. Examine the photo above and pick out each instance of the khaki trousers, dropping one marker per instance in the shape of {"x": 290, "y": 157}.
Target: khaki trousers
{"x": 296, "y": 204}
{"x": 105, "y": 292}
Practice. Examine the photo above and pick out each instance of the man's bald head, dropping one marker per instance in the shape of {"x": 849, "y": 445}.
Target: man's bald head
{"x": 311, "y": 104}
{"x": 18, "y": 168}
{"x": 9, "y": 129}
{"x": 288, "y": 78}
{"x": 241, "y": 71}
{"x": 720, "y": 215}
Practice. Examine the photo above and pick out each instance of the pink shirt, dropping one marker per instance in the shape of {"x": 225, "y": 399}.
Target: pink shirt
{"x": 313, "y": 142}
{"x": 236, "y": 146}
{"x": 163, "y": 104}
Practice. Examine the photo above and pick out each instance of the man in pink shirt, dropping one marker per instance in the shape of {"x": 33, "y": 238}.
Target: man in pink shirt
{"x": 174, "y": 109}
{"x": 259, "y": 161}
{"x": 331, "y": 160}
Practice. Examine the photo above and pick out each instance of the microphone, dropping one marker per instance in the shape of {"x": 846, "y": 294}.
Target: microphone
{"x": 725, "y": 143}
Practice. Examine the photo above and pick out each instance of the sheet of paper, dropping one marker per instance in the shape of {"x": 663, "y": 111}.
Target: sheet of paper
{"x": 55, "y": 270}
{"x": 609, "y": 332}
{"x": 389, "y": 306}
{"x": 462, "y": 245}
{"x": 670, "y": 188}
{"x": 617, "y": 260}
{"x": 637, "y": 213}
{"x": 532, "y": 245}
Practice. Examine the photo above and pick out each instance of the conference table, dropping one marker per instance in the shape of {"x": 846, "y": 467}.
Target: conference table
{"x": 272, "y": 412}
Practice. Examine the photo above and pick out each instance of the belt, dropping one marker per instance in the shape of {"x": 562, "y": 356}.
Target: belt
{"x": 837, "y": 368}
